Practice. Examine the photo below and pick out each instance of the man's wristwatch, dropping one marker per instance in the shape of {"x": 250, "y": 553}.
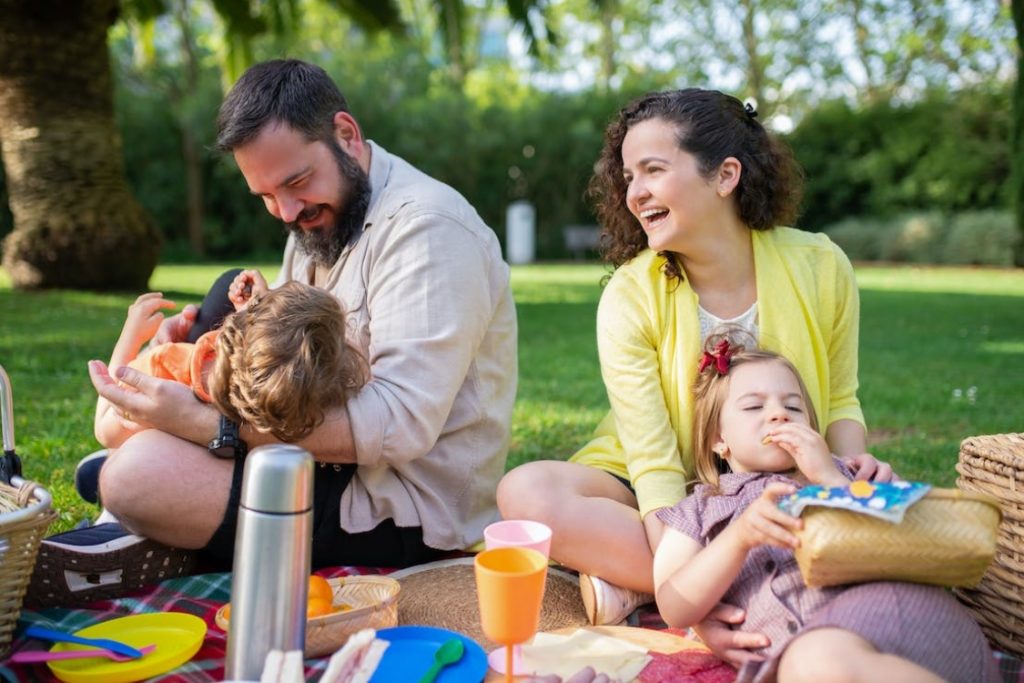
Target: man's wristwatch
{"x": 227, "y": 443}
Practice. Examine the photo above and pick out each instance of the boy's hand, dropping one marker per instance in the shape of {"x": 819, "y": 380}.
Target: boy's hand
{"x": 144, "y": 319}
{"x": 763, "y": 523}
{"x": 246, "y": 285}
{"x": 810, "y": 451}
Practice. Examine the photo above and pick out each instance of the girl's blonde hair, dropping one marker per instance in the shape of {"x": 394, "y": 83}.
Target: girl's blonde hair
{"x": 709, "y": 392}
{"x": 283, "y": 362}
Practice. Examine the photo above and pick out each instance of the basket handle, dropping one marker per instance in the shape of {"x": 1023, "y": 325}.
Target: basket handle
{"x": 10, "y": 463}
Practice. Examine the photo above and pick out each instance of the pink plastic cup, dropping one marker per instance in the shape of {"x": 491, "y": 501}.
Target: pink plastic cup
{"x": 519, "y": 533}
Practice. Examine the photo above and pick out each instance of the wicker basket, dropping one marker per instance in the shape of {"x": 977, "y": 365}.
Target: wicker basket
{"x": 372, "y": 602}
{"x": 25, "y": 513}
{"x": 994, "y": 464}
{"x": 947, "y": 538}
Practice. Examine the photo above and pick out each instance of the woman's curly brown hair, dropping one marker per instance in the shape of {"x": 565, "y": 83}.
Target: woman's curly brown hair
{"x": 283, "y": 362}
{"x": 711, "y": 126}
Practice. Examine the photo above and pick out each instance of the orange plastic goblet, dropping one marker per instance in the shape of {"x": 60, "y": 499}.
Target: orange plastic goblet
{"x": 510, "y": 586}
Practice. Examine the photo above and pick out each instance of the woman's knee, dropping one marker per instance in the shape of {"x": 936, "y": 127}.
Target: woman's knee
{"x": 524, "y": 492}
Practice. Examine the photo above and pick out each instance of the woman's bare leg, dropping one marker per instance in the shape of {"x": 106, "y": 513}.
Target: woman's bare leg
{"x": 595, "y": 524}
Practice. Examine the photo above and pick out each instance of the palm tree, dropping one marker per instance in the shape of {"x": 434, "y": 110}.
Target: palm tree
{"x": 76, "y": 223}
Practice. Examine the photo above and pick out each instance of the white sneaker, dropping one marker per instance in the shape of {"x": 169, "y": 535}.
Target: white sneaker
{"x": 607, "y": 603}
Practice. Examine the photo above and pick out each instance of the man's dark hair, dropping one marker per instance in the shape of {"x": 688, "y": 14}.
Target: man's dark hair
{"x": 289, "y": 91}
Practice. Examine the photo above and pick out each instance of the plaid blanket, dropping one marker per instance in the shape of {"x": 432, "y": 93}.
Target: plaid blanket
{"x": 202, "y": 595}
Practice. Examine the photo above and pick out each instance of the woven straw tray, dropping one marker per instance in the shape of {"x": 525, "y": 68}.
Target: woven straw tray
{"x": 374, "y": 604}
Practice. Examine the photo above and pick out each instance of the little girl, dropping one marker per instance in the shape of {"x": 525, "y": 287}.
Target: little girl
{"x": 277, "y": 364}
{"x": 728, "y": 541}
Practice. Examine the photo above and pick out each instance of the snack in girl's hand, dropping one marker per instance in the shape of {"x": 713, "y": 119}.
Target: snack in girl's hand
{"x": 357, "y": 660}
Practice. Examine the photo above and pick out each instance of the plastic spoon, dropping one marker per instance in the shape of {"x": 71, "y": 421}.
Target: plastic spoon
{"x": 37, "y": 656}
{"x": 61, "y": 637}
{"x": 449, "y": 653}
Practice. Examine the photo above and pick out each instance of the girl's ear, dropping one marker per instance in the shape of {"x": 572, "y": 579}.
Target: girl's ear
{"x": 721, "y": 449}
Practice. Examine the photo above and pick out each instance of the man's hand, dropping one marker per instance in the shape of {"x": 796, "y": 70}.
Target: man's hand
{"x": 731, "y": 646}
{"x": 865, "y": 466}
{"x": 176, "y": 328}
{"x": 146, "y": 401}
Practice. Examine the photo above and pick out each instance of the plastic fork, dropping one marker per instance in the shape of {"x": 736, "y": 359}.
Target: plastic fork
{"x": 38, "y": 656}
{"x": 61, "y": 637}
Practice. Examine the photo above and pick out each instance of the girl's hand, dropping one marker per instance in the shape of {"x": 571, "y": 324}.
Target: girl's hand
{"x": 144, "y": 319}
{"x": 810, "y": 451}
{"x": 763, "y": 523}
{"x": 245, "y": 286}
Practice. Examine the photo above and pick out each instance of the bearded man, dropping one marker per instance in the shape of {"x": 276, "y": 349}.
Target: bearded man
{"x": 408, "y": 469}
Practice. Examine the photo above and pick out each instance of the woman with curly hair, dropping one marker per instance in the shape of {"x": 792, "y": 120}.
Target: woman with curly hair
{"x": 691, "y": 193}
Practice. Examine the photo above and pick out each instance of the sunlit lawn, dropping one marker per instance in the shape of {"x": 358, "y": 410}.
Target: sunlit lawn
{"x": 942, "y": 357}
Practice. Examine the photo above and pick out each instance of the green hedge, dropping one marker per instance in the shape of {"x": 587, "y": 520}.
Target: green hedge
{"x": 969, "y": 238}
{"x": 947, "y": 153}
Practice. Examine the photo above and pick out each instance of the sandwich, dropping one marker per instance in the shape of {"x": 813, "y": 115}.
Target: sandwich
{"x": 283, "y": 667}
{"x": 357, "y": 660}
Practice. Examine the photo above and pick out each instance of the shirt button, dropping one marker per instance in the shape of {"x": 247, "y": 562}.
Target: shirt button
{"x": 792, "y": 626}
{"x": 769, "y": 566}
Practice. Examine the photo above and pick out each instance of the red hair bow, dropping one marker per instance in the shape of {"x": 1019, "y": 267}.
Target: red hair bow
{"x": 719, "y": 358}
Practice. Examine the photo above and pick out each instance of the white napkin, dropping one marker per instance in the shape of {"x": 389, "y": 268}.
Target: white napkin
{"x": 564, "y": 655}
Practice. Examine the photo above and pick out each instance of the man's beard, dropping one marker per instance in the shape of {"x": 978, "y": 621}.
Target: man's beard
{"x": 325, "y": 244}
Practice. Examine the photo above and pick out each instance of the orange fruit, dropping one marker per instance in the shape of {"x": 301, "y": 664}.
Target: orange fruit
{"x": 319, "y": 588}
{"x": 318, "y": 607}
{"x": 227, "y": 612}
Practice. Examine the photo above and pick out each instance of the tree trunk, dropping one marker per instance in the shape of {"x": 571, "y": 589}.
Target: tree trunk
{"x": 76, "y": 223}
{"x": 1017, "y": 132}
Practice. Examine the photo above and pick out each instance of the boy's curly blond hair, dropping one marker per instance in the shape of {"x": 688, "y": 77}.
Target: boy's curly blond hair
{"x": 283, "y": 362}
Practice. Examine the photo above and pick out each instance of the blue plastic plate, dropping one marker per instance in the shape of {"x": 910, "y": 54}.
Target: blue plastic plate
{"x": 411, "y": 653}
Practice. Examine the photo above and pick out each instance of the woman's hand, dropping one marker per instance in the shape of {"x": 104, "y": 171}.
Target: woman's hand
{"x": 245, "y": 286}
{"x": 763, "y": 523}
{"x": 716, "y": 631}
{"x": 866, "y": 466}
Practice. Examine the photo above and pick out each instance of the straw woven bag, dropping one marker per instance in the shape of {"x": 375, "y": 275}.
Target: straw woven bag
{"x": 947, "y": 538}
{"x": 994, "y": 464}
{"x": 369, "y": 602}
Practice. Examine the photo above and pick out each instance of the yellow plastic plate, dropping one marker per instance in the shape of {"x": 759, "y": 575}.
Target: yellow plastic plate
{"x": 177, "y": 637}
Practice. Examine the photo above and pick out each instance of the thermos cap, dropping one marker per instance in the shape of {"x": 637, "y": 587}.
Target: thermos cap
{"x": 278, "y": 478}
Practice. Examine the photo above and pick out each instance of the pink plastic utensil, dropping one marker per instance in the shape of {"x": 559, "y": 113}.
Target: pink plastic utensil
{"x": 38, "y": 656}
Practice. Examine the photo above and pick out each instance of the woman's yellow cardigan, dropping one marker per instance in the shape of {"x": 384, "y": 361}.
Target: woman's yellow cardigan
{"x": 649, "y": 343}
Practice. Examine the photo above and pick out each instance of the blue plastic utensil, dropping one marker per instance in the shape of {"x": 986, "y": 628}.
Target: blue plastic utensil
{"x": 38, "y": 656}
{"x": 61, "y": 637}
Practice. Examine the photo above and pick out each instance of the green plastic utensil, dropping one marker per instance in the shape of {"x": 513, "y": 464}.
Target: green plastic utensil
{"x": 449, "y": 653}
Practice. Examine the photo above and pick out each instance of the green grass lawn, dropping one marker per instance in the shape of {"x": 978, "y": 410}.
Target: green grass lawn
{"x": 942, "y": 358}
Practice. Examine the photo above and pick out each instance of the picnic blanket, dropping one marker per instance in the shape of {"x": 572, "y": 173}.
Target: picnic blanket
{"x": 203, "y": 594}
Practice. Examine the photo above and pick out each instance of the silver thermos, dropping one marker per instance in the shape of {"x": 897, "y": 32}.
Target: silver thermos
{"x": 270, "y": 575}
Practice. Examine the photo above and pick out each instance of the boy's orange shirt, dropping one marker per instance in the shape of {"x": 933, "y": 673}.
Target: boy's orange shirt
{"x": 180, "y": 361}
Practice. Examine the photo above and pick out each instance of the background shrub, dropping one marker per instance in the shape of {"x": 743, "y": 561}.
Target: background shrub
{"x": 982, "y": 238}
{"x": 914, "y": 238}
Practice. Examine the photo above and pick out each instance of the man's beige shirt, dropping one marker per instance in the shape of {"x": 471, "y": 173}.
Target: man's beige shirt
{"x": 428, "y": 302}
